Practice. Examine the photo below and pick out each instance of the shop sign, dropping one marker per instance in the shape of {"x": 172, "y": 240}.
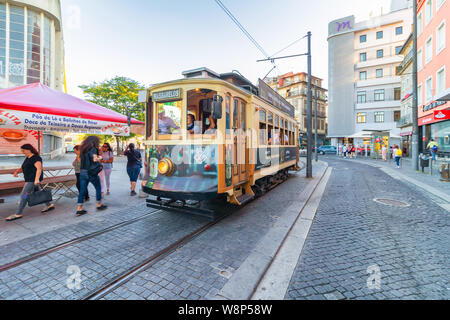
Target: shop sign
{"x": 442, "y": 115}
{"x": 433, "y": 105}
{"x": 426, "y": 120}
{"x": 167, "y": 95}
{"x": 405, "y": 134}
{"x": 22, "y": 120}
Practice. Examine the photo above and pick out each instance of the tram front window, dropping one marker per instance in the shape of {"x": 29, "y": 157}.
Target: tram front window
{"x": 169, "y": 118}
{"x": 200, "y": 117}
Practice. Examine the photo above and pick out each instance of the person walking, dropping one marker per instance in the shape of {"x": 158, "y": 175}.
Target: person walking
{"x": 33, "y": 175}
{"x": 434, "y": 148}
{"x": 397, "y": 153}
{"x": 134, "y": 165}
{"x": 107, "y": 162}
{"x": 344, "y": 150}
{"x": 77, "y": 168}
{"x": 89, "y": 171}
{"x": 353, "y": 151}
{"x": 384, "y": 152}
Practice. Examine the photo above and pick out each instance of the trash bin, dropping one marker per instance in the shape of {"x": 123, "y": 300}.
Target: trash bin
{"x": 445, "y": 172}
{"x": 424, "y": 162}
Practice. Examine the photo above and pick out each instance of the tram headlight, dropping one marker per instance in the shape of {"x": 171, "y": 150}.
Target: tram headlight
{"x": 166, "y": 167}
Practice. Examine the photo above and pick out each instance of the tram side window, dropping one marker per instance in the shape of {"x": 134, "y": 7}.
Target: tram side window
{"x": 169, "y": 118}
{"x": 262, "y": 128}
{"x": 270, "y": 128}
{"x": 227, "y": 112}
{"x": 236, "y": 114}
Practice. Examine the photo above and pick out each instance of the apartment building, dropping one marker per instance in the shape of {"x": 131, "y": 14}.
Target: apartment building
{"x": 364, "y": 89}
{"x": 405, "y": 71}
{"x": 294, "y": 88}
{"x": 433, "y": 57}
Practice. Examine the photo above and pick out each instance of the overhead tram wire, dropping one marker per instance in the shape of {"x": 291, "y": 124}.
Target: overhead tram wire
{"x": 241, "y": 27}
{"x": 296, "y": 41}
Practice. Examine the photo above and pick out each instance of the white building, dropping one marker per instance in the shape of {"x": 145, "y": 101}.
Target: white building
{"x": 32, "y": 50}
{"x": 364, "y": 90}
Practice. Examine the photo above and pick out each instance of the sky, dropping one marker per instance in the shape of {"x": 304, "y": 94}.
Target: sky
{"x": 153, "y": 41}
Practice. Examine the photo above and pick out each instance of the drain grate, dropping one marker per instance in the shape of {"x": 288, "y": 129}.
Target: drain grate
{"x": 391, "y": 202}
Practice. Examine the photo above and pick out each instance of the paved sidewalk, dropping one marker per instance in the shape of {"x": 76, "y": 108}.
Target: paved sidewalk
{"x": 437, "y": 190}
{"x": 34, "y": 222}
{"x": 360, "y": 249}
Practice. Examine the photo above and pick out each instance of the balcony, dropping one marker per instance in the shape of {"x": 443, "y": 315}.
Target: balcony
{"x": 304, "y": 92}
{"x": 320, "y": 114}
{"x": 387, "y": 59}
{"x": 405, "y": 121}
{"x": 373, "y": 96}
{"x": 405, "y": 62}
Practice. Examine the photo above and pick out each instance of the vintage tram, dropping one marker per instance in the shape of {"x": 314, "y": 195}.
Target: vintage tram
{"x": 210, "y": 135}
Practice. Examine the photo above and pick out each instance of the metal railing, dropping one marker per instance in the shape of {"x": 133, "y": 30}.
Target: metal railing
{"x": 404, "y": 121}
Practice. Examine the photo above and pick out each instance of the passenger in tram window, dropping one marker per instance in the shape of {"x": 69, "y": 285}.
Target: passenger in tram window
{"x": 165, "y": 124}
{"x": 192, "y": 127}
{"x": 286, "y": 139}
{"x": 210, "y": 125}
{"x": 270, "y": 137}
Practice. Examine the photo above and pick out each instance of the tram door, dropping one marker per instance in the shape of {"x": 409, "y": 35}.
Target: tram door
{"x": 240, "y": 153}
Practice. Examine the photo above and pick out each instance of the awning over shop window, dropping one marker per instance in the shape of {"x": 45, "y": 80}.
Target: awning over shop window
{"x": 38, "y": 107}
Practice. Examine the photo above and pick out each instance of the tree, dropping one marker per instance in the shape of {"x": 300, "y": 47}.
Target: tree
{"x": 116, "y": 94}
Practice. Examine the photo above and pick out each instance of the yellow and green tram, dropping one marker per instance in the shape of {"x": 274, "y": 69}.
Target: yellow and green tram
{"x": 212, "y": 134}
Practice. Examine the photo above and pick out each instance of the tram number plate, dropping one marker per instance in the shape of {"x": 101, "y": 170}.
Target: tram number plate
{"x": 153, "y": 168}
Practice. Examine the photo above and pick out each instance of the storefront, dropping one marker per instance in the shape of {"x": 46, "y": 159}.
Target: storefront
{"x": 437, "y": 127}
{"x": 406, "y": 143}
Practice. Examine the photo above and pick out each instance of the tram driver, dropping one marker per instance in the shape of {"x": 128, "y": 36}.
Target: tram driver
{"x": 165, "y": 124}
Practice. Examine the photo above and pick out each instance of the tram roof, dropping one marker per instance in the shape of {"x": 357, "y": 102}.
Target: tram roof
{"x": 238, "y": 82}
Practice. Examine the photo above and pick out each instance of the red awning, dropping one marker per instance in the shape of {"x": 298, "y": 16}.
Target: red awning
{"x": 38, "y": 98}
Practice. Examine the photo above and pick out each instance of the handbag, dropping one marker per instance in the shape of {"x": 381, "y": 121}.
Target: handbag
{"x": 39, "y": 196}
{"x": 95, "y": 169}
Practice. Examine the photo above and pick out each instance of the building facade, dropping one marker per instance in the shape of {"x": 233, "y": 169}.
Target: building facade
{"x": 294, "y": 88}
{"x": 364, "y": 89}
{"x": 32, "y": 50}
{"x": 433, "y": 57}
{"x": 405, "y": 71}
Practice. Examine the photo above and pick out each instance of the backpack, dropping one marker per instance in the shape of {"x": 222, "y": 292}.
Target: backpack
{"x": 399, "y": 153}
{"x": 435, "y": 148}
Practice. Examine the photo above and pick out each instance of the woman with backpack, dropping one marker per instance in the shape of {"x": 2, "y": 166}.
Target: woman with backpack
{"x": 134, "y": 165}
{"x": 107, "y": 162}
{"x": 33, "y": 175}
{"x": 89, "y": 170}
{"x": 397, "y": 153}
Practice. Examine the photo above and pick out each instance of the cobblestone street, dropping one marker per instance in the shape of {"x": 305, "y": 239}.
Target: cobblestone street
{"x": 351, "y": 233}
{"x": 351, "y": 240}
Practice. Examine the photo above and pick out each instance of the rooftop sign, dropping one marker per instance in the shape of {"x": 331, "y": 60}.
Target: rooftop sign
{"x": 267, "y": 93}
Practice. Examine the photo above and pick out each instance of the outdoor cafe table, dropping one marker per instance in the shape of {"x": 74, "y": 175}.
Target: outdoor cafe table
{"x": 55, "y": 178}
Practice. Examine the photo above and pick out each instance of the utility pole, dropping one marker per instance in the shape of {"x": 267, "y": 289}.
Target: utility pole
{"x": 309, "y": 124}
{"x": 309, "y": 112}
{"x": 316, "y": 157}
{"x": 415, "y": 107}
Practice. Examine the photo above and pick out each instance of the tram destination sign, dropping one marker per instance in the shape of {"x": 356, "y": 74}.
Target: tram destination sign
{"x": 267, "y": 93}
{"x": 167, "y": 95}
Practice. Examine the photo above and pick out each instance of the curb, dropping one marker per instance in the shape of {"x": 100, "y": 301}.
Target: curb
{"x": 246, "y": 278}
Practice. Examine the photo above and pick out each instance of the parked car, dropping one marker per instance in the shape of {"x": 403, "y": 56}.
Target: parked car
{"x": 327, "y": 150}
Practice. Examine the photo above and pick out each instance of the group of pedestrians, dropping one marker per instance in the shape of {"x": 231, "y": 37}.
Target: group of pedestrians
{"x": 349, "y": 151}
{"x": 92, "y": 165}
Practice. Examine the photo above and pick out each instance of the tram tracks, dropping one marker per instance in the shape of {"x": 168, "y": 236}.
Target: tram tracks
{"x": 71, "y": 242}
{"x": 123, "y": 278}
